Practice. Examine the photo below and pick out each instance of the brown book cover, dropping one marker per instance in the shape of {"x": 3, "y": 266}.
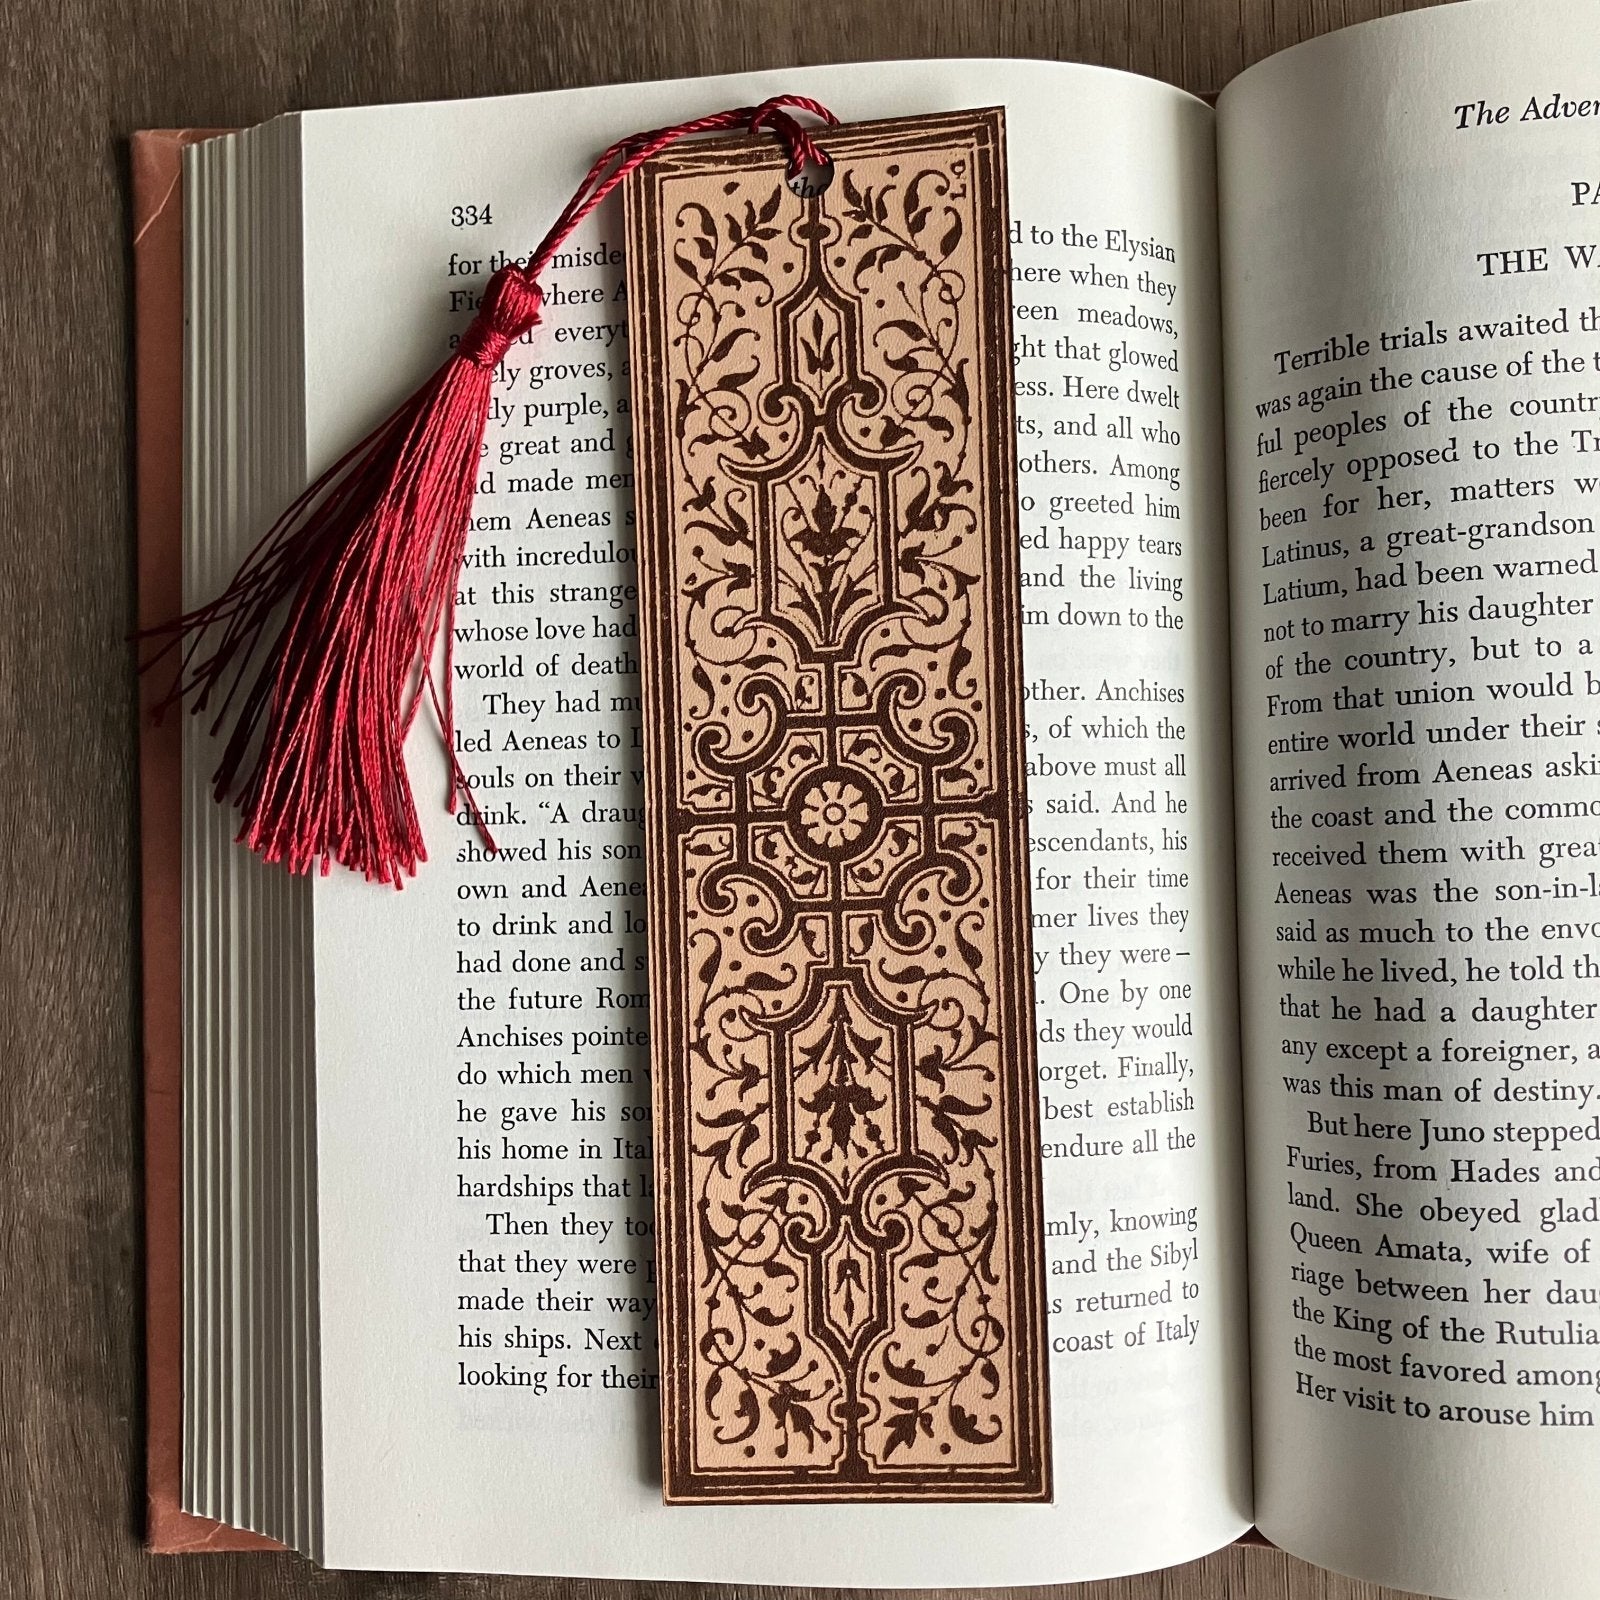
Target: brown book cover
{"x": 157, "y": 163}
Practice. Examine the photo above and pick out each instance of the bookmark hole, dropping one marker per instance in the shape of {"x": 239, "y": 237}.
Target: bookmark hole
{"x": 813, "y": 179}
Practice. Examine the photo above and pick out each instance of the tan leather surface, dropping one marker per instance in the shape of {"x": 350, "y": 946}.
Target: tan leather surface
{"x": 850, "y": 1246}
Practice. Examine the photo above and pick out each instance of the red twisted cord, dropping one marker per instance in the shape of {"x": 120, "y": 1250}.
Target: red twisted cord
{"x": 513, "y": 296}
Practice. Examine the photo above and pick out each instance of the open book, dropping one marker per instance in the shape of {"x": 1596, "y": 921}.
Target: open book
{"x": 1308, "y": 394}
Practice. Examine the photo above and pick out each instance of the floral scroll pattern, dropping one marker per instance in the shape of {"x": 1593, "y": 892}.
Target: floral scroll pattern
{"x": 850, "y": 1156}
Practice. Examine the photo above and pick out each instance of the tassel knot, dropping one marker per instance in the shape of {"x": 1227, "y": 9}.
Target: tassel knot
{"x": 510, "y": 307}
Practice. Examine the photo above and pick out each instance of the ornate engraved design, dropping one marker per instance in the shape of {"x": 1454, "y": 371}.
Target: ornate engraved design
{"x": 846, "y": 1137}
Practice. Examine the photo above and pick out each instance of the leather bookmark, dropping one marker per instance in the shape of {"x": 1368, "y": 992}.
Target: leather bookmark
{"x": 846, "y": 1137}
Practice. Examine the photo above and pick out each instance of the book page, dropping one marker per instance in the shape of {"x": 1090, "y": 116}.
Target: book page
{"x": 485, "y": 1188}
{"x": 1411, "y": 241}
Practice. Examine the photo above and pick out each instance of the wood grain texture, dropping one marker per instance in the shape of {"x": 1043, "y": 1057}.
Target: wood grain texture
{"x": 76, "y": 77}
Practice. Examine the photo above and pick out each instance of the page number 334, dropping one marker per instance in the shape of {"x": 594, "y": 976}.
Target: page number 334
{"x": 470, "y": 216}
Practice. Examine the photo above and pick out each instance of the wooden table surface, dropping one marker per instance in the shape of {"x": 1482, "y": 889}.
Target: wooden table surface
{"x": 76, "y": 77}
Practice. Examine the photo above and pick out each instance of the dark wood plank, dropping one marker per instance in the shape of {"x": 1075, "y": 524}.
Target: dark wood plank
{"x": 76, "y": 77}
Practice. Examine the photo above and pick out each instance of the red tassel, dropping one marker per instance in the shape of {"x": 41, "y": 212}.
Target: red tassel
{"x": 362, "y": 570}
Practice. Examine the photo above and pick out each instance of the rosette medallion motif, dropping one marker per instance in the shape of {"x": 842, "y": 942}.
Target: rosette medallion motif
{"x": 846, "y": 1138}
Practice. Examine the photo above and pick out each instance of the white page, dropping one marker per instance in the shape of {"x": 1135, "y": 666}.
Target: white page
{"x": 1436, "y": 1432}
{"x": 1150, "y": 1420}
